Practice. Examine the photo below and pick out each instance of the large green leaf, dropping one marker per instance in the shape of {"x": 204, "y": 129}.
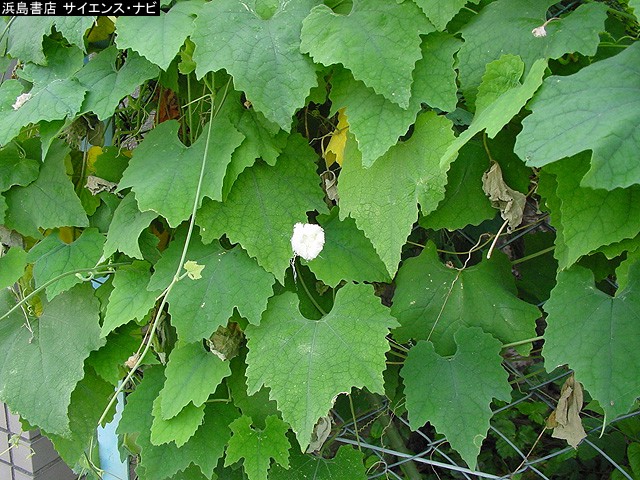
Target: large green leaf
{"x": 307, "y": 363}
{"x": 256, "y": 448}
{"x": 16, "y": 168}
{"x": 199, "y": 306}
{"x": 106, "y": 85}
{"x": 256, "y": 48}
{"x": 40, "y": 368}
{"x": 192, "y": 375}
{"x": 52, "y": 257}
{"x": 377, "y": 122}
{"x": 163, "y": 461}
{"x": 263, "y": 139}
{"x": 590, "y": 218}
{"x": 264, "y": 205}
{"x": 346, "y": 464}
{"x": 464, "y": 202}
{"x": 504, "y": 97}
{"x": 12, "y": 265}
{"x": 130, "y": 299}
{"x": 48, "y": 202}
{"x": 88, "y": 401}
{"x": 378, "y": 41}
{"x": 26, "y": 34}
{"x": 178, "y": 429}
{"x": 432, "y": 301}
{"x": 596, "y": 111}
{"x": 347, "y": 253}
{"x": 454, "y": 394}
{"x": 60, "y": 99}
{"x": 163, "y": 35}
{"x": 597, "y": 336}
{"x": 505, "y": 27}
{"x": 163, "y": 168}
{"x": 126, "y": 226}
{"x": 440, "y": 13}
{"x": 384, "y": 199}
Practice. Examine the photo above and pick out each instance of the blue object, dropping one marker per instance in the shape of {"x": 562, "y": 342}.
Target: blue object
{"x": 110, "y": 462}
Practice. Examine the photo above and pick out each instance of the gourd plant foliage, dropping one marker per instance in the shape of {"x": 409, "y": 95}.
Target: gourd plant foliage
{"x": 152, "y": 170}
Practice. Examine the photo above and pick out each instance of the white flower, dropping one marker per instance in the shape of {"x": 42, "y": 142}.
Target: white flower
{"x": 307, "y": 240}
{"x": 21, "y": 100}
{"x": 539, "y": 31}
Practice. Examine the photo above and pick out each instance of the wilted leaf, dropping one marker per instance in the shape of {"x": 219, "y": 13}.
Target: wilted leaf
{"x": 334, "y": 152}
{"x": 565, "y": 419}
{"x": 510, "y": 202}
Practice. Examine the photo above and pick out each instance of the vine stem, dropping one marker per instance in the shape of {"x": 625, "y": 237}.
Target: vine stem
{"x": 176, "y": 277}
{"x": 92, "y": 271}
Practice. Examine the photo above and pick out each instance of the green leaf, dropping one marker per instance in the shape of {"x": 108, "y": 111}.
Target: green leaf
{"x": 255, "y": 50}
{"x": 16, "y": 168}
{"x": 590, "y": 218}
{"x": 177, "y": 176}
{"x": 52, "y": 257}
{"x": 348, "y": 463}
{"x": 48, "y": 202}
{"x": 88, "y": 401}
{"x": 440, "y": 13}
{"x": 12, "y": 265}
{"x": 257, "y": 447}
{"x": 347, "y": 254}
{"x": 460, "y": 389}
{"x": 504, "y": 106}
{"x": 596, "y": 335}
{"x": 57, "y": 100}
{"x": 62, "y": 62}
{"x": 264, "y": 205}
{"x": 263, "y": 139}
{"x": 109, "y": 360}
{"x": 164, "y": 34}
{"x": 130, "y": 299}
{"x": 163, "y": 461}
{"x": 126, "y": 226}
{"x": 257, "y": 406}
{"x": 375, "y": 121}
{"x": 178, "y": 429}
{"x": 384, "y": 199}
{"x": 192, "y": 375}
{"x": 379, "y": 42}
{"x": 578, "y": 105}
{"x": 26, "y": 34}
{"x": 433, "y": 301}
{"x": 199, "y": 307}
{"x": 504, "y": 27}
{"x": 464, "y": 202}
{"x": 49, "y": 359}
{"x": 106, "y": 85}
{"x": 308, "y": 363}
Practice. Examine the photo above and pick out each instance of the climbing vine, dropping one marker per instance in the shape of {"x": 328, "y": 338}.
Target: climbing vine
{"x": 263, "y": 219}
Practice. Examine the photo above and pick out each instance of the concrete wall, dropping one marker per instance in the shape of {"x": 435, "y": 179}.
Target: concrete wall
{"x": 33, "y": 458}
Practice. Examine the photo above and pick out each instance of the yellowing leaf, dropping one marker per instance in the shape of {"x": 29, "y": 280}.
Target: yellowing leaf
{"x": 565, "y": 419}
{"x": 92, "y": 155}
{"x": 510, "y": 202}
{"x": 194, "y": 271}
{"x": 335, "y": 150}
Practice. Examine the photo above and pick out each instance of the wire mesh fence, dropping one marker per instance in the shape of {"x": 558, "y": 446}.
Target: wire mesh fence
{"x": 536, "y": 456}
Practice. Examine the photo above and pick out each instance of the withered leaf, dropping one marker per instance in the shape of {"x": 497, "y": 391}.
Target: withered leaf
{"x": 510, "y": 202}
{"x": 565, "y": 419}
